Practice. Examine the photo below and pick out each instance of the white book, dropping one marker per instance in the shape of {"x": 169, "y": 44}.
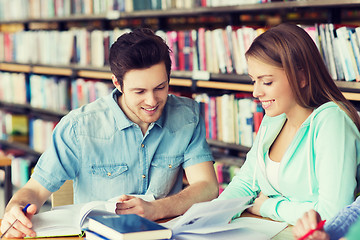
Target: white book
{"x": 345, "y": 57}
{"x": 97, "y": 48}
{"x": 339, "y": 69}
{"x": 219, "y": 46}
{"x": 330, "y": 51}
{"x": 243, "y": 62}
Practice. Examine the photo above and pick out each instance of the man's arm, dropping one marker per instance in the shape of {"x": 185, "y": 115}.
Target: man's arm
{"x": 203, "y": 186}
{"x": 33, "y": 193}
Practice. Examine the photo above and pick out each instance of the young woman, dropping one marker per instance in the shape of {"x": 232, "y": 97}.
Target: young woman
{"x": 307, "y": 149}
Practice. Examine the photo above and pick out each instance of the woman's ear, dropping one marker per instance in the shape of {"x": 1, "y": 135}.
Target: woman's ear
{"x": 303, "y": 81}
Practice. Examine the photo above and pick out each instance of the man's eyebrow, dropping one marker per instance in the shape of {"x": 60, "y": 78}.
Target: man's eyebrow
{"x": 140, "y": 89}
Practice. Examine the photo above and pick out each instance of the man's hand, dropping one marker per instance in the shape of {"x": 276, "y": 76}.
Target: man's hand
{"x": 307, "y": 222}
{"x": 133, "y": 205}
{"x": 255, "y": 208}
{"x": 22, "y": 226}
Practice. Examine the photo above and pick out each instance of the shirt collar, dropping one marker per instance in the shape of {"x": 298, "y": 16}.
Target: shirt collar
{"x": 122, "y": 120}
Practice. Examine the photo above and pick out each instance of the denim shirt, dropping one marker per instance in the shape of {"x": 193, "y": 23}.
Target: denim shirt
{"x": 107, "y": 155}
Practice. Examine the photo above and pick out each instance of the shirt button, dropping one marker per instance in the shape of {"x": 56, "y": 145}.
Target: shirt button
{"x": 143, "y": 176}
{"x": 170, "y": 166}
{"x": 142, "y": 145}
{"x": 109, "y": 174}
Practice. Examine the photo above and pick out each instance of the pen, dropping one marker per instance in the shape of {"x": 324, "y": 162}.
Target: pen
{"x": 320, "y": 226}
{"x": 24, "y": 211}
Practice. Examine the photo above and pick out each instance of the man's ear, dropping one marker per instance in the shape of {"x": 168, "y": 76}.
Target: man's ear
{"x": 115, "y": 82}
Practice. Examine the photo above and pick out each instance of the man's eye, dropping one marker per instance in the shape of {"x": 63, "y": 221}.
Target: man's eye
{"x": 267, "y": 83}
{"x": 160, "y": 88}
{"x": 139, "y": 92}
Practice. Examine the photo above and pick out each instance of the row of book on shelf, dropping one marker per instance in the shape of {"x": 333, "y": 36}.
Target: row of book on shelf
{"x": 231, "y": 118}
{"x": 25, "y": 9}
{"x": 51, "y": 92}
{"x": 22, "y": 128}
{"x": 220, "y": 50}
{"x": 226, "y": 168}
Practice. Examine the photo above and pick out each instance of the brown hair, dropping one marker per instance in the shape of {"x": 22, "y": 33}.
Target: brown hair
{"x": 290, "y": 47}
{"x": 139, "y": 49}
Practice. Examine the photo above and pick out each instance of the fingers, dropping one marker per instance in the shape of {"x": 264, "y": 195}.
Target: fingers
{"x": 308, "y": 221}
{"x": 22, "y": 224}
{"x": 131, "y": 206}
{"x": 124, "y": 198}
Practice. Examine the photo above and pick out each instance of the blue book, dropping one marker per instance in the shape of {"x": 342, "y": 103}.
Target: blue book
{"x": 127, "y": 227}
{"x": 91, "y": 235}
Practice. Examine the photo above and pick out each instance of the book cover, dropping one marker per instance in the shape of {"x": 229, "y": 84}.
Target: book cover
{"x": 129, "y": 226}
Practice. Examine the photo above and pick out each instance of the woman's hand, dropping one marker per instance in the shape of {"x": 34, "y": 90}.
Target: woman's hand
{"x": 255, "y": 208}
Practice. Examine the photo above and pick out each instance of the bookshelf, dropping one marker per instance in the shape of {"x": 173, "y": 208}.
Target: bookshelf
{"x": 265, "y": 14}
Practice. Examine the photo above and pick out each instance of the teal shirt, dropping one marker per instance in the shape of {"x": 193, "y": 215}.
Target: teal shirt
{"x": 318, "y": 170}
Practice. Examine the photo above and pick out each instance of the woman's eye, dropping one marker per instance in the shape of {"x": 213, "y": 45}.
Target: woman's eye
{"x": 267, "y": 83}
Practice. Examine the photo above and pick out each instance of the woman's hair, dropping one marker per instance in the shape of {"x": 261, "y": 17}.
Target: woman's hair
{"x": 139, "y": 49}
{"x": 289, "y": 47}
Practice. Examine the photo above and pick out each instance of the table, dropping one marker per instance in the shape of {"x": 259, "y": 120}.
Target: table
{"x": 283, "y": 235}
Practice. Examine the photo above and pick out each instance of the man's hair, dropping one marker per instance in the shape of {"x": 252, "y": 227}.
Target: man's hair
{"x": 139, "y": 49}
{"x": 290, "y": 47}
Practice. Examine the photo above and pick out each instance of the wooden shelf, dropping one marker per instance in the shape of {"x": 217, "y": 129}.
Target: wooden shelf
{"x": 21, "y": 147}
{"x": 180, "y": 82}
{"x": 94, "y": 74}
{"x": 27, "y": 108}
{"x": 52, "y": 71}
{"x": 199, "y": 11}
{"x": 233, "y": 82}
{"x": 9, "y": 67}
{"x": 231, "y": 146}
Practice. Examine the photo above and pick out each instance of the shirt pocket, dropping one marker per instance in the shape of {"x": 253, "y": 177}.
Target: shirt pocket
{"x": 165, "y": 175}
{"x": 108, "y": 171}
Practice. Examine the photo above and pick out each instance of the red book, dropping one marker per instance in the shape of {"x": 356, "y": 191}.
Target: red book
{"x": 181, "y": 46}
{"x": 213, "y": 118}
{"x": 202, "y": 49}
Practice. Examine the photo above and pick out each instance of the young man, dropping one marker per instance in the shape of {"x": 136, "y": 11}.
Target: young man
{"x": 137, "y": 140}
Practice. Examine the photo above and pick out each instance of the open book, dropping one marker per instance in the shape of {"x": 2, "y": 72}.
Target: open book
{"x": 70, "y": 220}
{"x": 206, "y": 220}
{"x": 213, "y": 220}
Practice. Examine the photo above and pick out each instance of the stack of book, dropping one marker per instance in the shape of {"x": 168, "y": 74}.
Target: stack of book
{"x": 129, "y": 226}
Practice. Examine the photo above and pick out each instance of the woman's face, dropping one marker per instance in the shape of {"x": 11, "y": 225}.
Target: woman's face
{"x": 272, "y": 88}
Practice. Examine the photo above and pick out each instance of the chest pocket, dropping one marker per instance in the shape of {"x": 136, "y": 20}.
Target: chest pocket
{"x": 164, "y": 175}
{"x": 109, "y": 171}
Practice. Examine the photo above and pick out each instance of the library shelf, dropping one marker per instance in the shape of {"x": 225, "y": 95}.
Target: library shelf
{"x": 199, "y": 81}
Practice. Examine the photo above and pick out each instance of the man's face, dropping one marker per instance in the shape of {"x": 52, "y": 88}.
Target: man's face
{"x": 144, "y": 95}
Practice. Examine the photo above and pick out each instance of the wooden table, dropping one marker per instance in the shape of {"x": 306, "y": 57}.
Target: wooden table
{"x": 283, "y": 235}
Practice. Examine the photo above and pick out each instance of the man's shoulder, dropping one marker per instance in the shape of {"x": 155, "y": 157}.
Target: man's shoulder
{"x": 181, "y": 111}
{"x": 182, "y": 103}
{"x": 96, "y": 112}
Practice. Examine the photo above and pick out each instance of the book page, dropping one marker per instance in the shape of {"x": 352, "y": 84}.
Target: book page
{"x": 59, "y": 222}
{"x": 213, "y": 213}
